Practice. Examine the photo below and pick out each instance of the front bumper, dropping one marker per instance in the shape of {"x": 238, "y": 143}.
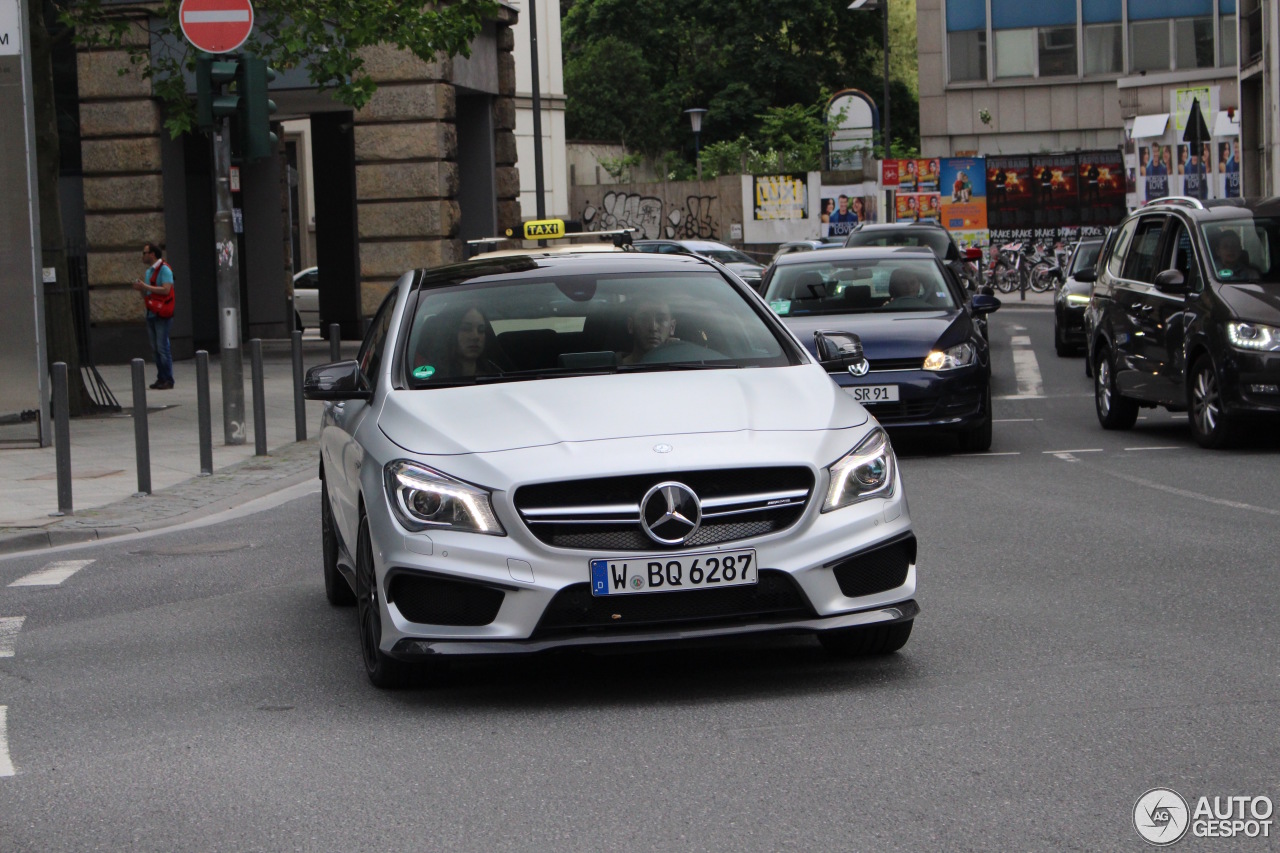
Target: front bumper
{"x": 1070, "y": 319}
{"x": 952, "y": 400}
{"x": 529, "y": 575}
{"x": 1247, "y": 382}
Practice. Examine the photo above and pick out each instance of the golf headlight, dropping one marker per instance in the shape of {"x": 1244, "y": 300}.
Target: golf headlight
{"x": 423, "y": 499}
{"x": 1254, "y": 336}
{"x": 1077, "y": 299}
{"x": 960, "y": 355}
{"x": 865, "y": 472}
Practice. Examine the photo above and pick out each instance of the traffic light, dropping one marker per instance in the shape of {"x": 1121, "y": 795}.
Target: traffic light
{"x": 244, "y": 101}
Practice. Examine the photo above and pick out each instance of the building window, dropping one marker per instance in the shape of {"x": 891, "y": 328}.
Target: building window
{"x": 1149, "y": 46}
{"x": 1103, "y": 49}
{"x": 967, "y": 55}
{"x": 1228, "y": 43}
{"x": 1057, "y": 52}
{"x": 1193, "y": 38}
{"x": 1015, "y": 53}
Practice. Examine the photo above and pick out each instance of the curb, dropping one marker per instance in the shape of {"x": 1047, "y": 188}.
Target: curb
{"x": 282, "y": 468}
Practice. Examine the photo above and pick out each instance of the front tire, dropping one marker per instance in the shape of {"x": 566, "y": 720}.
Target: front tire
{"x": 1210, "y": 425}
{"x": 867, "y": 640}
{"x": 336, "y": 588}
{"x": 383, "y": 670}
{"x": 1060, "y": 345}
{"x": 1114, "y": 410}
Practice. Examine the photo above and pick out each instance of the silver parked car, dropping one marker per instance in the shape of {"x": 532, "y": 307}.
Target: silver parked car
{"x": 743, "y": 265}
{"x": 544, "y": 451}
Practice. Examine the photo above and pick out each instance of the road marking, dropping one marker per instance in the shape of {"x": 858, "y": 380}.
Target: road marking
{"x": 9, "y": 628}
{"x": 1019, "y": 328}
{"x": 987, "y": 453}
{"x": 1020, "y": 341}
{"x": 1015, "y": 420}
{"x": 6, "y": 766}
{"x": 1165, "y": 447}
{"x": 1085, "y": 450}
{"x": 1026, "y": 369}
{"x": 52, "y": 574}
{"x": 1184, "y": 493}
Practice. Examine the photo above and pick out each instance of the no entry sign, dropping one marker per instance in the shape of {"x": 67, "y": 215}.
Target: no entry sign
{"x": 216, "y": 26}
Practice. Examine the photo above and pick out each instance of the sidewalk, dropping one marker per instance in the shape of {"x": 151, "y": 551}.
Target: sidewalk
{"x": 104, "y": 470}
{"x": 1034, "y": 300}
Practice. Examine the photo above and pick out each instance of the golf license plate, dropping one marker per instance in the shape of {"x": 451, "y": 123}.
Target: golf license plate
{"x": 670, "y": 573}
{"x": 873, "y": 393}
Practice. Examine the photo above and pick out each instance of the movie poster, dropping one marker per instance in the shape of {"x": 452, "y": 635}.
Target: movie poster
{"x": 908, "y": 176}
{"x": 1229, "y": 168}
{"x": 1103, "y": 185}
{"x": 843, "y": 207}
{"x": 919, "y": 207}
{"x": 929, "y": 173}
{"x": 1155, "y": 166}
{"x": 1054, "y": 193}
{"x": 1009, "y": 209}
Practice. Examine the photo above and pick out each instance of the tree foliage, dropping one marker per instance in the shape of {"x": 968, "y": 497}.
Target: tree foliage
{"x": 326, "y": 35}
{"x": 633, "y": 66}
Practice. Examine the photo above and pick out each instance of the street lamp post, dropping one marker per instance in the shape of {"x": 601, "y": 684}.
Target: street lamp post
{"x": 882, "y": 6}
{"x": 695, "y": 121}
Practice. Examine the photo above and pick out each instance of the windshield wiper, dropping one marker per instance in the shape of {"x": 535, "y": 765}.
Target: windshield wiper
{"x": 675, "y": 365}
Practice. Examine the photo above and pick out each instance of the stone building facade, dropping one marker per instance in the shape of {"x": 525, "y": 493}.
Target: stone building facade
{"x": 415, "y": 194}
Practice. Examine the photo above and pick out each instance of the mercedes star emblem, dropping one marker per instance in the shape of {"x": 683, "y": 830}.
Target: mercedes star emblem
{"x": 670, "y": 513}
{"x": 662, "y": 448}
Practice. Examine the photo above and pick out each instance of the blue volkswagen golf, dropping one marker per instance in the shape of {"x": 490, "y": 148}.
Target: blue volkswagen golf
{"x": 926, "y": 364}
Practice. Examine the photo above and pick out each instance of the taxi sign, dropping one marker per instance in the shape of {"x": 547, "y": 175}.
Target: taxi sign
{"x": 544, "y": 229}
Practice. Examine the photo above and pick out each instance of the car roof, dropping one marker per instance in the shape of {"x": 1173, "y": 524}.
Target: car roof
{"x": 1216, "y": 209}
{"x": 841, "y": 253}
{"x": 535, "y": 265}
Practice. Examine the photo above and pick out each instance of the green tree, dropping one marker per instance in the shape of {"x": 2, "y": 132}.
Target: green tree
{"x": 633, "y": 66}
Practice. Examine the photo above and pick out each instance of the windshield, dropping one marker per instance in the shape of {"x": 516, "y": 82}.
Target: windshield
{"x": 728, "y": 256}
{"x": 931, "y": 238}
{"x": 1086, "y": 257}
{"x": 502, "y": 329}
{"x": 883, "y": 285}
{"x": 1245, "y": 249}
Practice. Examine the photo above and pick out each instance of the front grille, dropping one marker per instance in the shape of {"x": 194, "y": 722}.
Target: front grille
{"x": 603, "y": 514}
{"x": 438, "y": 601}
{"x": 882, "y": 364}
{"x": 905, "y": 410}
{"x": 574, "y": 609}
{"x": 874, "y": 571}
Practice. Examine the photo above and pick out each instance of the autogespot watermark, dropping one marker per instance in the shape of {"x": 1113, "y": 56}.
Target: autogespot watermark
{"x": 1163, "y": 817}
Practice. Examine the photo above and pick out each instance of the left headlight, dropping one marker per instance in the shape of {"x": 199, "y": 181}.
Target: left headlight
{"x": 1077, "y": 299}
{"x": 864, "y": 472}
{"x": 960, "y": 355}
{"x": 425, "y": 499}
{"x": 1254, "y": 336}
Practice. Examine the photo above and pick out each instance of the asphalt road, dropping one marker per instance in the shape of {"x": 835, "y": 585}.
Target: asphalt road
{"x": 1099, "y": 618}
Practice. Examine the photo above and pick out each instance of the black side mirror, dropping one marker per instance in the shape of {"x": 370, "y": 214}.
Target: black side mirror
{"x": 839, "y": 350}
{"x": 983, "y": 303}
{"x": 1171, "y": 281}
{"x": 1088, "y": 276}
{"x": 341, "y": 380}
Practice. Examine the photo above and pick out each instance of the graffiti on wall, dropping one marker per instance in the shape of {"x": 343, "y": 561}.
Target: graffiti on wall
{"x": 651, "y": 217}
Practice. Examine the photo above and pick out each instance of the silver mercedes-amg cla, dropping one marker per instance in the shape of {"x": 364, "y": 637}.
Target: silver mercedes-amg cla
{"x": 542, "y": 451}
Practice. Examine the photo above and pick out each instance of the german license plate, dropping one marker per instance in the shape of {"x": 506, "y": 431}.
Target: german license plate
{"x": 873, "y": 393}
{"x": 669, "y": 573}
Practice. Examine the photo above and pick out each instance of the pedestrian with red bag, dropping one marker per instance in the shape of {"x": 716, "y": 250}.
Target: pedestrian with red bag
{"x": 157, "y": 295}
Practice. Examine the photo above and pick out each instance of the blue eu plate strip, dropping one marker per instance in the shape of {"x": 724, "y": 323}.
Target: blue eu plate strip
{"x": 600, "y": 577}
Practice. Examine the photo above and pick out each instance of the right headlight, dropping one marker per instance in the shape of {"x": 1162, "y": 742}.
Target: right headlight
{"x": 1254, "y": 336}
{"x": 864, "y": 472}
{"x": 425, "y": 499}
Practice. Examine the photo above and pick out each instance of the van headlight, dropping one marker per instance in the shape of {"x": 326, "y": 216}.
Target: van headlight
{"x": 1254, "y": 336}
{"x": 864, "y": 472}
{"x": 425, "y": 499}
{"x": 960, "y": 355}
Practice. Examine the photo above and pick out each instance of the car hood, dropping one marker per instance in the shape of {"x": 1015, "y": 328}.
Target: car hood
{"x": 890, "y": 336}
{"x": 513, "y": 415}
{"x": 746, "y": 270}
{"x": 1259, "y": 303}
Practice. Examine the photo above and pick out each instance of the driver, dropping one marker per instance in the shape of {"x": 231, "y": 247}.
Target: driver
{"x": 650, "y": 325}
{"x": 1233, "y": 261}
{"x": 905, "y": 288}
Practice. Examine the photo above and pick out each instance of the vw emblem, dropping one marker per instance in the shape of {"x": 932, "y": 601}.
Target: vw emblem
{"x": 662, "y": 448}
{"x": 670, "y": 513}
{"x": 860, "y": 368}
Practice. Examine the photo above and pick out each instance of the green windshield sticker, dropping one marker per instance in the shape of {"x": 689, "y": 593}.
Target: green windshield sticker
{"x": 426, "y": 371}
{"x": 1225, "y": 273}
{"x": 781, "y": 307}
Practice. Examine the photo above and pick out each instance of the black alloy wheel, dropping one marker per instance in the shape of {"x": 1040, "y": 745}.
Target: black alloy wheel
{"x": 382, "y": 669}
{"x": 1210, "y": 425}
{"x": 1114, "y": 410}
{"x": 336, "y": 588}
{"x": 867, "y": 640}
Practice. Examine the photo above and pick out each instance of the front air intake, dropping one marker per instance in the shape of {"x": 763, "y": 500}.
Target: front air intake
{"x": 878, "y": 570}
{"x": 432, "y": 600}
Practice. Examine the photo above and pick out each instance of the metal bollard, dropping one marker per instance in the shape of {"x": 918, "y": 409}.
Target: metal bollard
{"x": 62, "y": 437}
{"x": 335, "y": 342}
{"x": 299, "y": 404}
{"x": 259, "y": 403}
{"x": 203, "y": 413}
{"x": 141, "y": 440}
